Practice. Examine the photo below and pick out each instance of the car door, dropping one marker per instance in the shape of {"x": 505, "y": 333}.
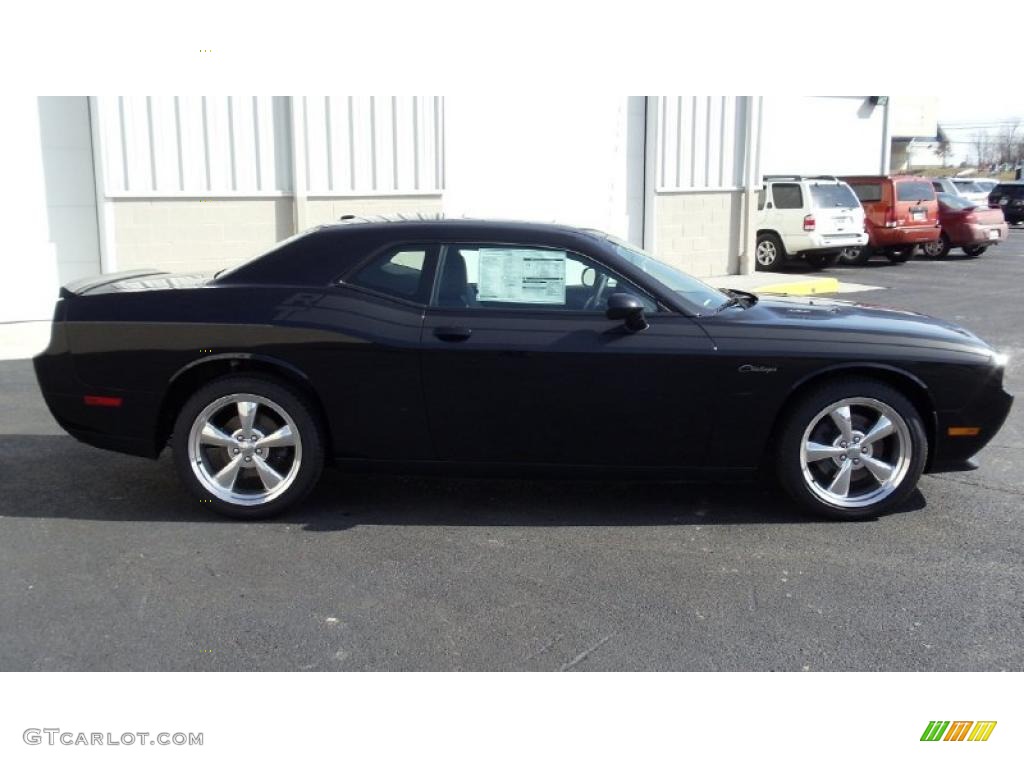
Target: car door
{"x": 362, "y": 350}
{"x": 520, "y": 364}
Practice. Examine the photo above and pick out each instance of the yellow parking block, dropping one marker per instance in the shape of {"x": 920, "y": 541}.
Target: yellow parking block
{"x": 806, "y": 287}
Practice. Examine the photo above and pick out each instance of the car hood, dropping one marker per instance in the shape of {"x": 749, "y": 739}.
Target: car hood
{"x": 864, "y": 322}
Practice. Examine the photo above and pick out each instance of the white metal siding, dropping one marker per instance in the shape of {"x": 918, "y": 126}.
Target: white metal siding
{"x": 699, "y": 143}
{"x": 194, "y": 145}
{"x": 199, "y": 146}
{"x": 366, "y": 145}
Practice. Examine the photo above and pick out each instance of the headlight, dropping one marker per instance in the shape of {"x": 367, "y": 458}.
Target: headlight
{"x": 1000, "y": 359}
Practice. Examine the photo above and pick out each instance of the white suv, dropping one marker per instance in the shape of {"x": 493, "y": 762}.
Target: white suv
{"x": 807, "y": 217}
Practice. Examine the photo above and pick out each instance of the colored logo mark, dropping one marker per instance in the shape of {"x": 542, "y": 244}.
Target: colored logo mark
{"x": 958, "y": 730}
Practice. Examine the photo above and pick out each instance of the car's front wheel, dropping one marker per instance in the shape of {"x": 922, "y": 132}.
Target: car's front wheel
{"x": 248, "y": 446}
{"x": 975, "y": 250}
{"x": 852, "y": 449}
{"x": 769, "y": 253}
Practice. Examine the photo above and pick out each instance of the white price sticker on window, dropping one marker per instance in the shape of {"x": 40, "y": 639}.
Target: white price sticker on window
{"x": 521, "y": 276}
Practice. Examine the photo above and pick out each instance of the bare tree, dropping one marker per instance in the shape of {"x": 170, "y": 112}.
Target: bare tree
{"x": 982, "y": 149}
{"x": 944, "y": 150}
{"x": 1006, "y": 144}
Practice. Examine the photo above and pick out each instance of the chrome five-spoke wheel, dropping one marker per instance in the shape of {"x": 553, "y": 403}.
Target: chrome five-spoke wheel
{"x": 245, "y": 449}
{"x": 767, "y": 254}
{"x": 855, "y": 452}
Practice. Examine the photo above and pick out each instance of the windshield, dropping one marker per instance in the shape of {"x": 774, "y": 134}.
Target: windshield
{"x": 690, "y": 288}
{"x": 966, "y": 186}
{"x": 833, "y": 196}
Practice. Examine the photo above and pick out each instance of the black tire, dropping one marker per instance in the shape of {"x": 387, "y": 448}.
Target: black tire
{"x": 939, "y": 249}
{"x": 855, "y": 257}
{"x": 808, "y": 412}
{"x": 974, "y": 251}
{"x": 307, "y": 450}
{"x": 822, "y": 260}
{"x": 900, "y": 256}
{"x": 769, "y": 255}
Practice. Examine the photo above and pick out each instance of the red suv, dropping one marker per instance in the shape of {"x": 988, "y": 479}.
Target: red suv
{"x": 900, "y": 213}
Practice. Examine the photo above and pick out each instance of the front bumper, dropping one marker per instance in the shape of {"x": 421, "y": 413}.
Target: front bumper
{"x": 988, "y": 412}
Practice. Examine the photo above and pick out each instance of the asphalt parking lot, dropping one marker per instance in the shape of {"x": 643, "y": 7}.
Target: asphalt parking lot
{"x": 107, "y": 564}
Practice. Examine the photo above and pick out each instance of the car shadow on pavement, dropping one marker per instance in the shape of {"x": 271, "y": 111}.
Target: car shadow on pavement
{"x": 54, "y": 476}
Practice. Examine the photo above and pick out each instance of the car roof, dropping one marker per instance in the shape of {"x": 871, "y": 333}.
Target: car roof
{"x": 886, "y": 177}
{"x": 391, "y": 222}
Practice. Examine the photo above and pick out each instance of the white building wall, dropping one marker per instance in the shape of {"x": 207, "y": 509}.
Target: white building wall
{"x": 204, "y": 182}
{"x": 699, "y": 167}
{"x": 66, "y": 144}
{"x": 568, "y": 158}
{"x": 28, "y": 257}
{"x": 822, "y": 135}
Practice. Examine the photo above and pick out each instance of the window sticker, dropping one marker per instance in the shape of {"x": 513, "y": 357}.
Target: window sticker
{"x": 522, "y": 276}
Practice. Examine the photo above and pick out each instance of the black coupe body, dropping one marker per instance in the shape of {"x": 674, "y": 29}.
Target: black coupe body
{"x": 486, "y": 345}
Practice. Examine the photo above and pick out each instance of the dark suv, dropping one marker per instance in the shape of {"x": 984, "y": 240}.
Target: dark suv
{"x": 1009, "y": 195}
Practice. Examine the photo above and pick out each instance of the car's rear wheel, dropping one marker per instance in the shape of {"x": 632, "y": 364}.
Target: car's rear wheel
{"x": 248, "y": 446}
{"x": 937, "y": 249}
{"x": 855, "y": 256}
{"x": 769, "y": 253}
{"x": 975, "y": 250}
{"x": 852, "y": 449}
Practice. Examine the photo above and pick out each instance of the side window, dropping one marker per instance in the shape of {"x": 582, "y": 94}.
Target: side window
{"x": 762, "y": 193}
{"x": 937, "y": 186}
{"x": 787, "y": 196}
{"x": 401, "y": 273}
{"x": 521, "y": 277}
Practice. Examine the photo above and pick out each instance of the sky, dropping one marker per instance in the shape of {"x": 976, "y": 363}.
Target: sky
{"x": 979, "y": 108}
{"x": 964, "y": 116}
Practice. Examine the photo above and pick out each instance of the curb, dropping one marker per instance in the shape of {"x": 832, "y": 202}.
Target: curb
{"x": 805, "y": 287}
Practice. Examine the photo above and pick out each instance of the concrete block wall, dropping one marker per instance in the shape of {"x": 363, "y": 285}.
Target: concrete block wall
{"x": 197, "y": 235}
{"x": 192, "y": 235}
{"x": 699, "y": 232}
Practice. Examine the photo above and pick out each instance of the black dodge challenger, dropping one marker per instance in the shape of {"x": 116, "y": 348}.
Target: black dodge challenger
{"x": 484, "y": 345}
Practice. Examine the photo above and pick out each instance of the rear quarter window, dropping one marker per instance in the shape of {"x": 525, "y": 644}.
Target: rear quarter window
{"x": 913, "y": 191}
{"x": 787, "y": 196}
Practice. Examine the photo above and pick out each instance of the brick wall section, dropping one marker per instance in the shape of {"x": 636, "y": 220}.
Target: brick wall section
{"x": 198, "y": 236}
{"x": 699, "y": 232}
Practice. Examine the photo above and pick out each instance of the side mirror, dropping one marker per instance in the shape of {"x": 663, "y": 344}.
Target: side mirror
{"x": 629, "y": 309}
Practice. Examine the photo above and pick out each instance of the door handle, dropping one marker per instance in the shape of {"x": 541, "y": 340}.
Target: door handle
{"x": 446, "y": 333}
